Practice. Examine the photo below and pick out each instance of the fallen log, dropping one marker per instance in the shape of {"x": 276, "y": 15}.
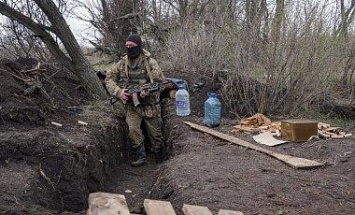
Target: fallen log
{"x": 295, "y": 162}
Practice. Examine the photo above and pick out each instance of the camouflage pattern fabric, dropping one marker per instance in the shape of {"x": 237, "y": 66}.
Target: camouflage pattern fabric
{"x": 119, "y": 109}
{"x": 153, "y": 126}
{"x": 149, "y": 112}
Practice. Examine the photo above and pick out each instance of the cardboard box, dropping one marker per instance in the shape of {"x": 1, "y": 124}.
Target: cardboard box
{"x": 298, "y": 130}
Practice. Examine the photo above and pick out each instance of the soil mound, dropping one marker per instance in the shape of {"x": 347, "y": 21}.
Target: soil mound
{"x": 29, "y": 95}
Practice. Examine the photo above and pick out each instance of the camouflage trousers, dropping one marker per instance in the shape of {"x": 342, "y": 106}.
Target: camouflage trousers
{"x": 151, "y": 116}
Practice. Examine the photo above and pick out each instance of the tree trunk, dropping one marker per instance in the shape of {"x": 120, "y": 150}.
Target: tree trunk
{"x": 74, "y": 60}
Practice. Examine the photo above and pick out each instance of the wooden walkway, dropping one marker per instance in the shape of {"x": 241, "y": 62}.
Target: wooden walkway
{"x": 112, "y": 204}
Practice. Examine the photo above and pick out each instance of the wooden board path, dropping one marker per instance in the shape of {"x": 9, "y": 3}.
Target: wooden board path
{"x": 195, "y": 210}
{"x": 156, "y": 207}
{"x": 112, "y": 204}
{"x": 107, "y": 203}
{"x": 227, "y": 212}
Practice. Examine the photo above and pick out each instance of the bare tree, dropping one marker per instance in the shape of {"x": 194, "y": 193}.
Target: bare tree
{"x": 188, "y": 8}
{"x": 19, "y": 41}
{"x": 53, "y": 32}
{"x": 113, "y": 21}
{"x": 166, "y": 16}
{"x": 347, "y": 18}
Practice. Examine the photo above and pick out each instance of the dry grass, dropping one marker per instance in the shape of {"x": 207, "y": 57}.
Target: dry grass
{"x": 276, "y": 76}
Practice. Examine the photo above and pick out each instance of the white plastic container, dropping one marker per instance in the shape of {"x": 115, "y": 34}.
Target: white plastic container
{"x": 182, "y": 102}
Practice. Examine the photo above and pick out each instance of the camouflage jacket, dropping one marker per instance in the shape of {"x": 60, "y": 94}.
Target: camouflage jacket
{"x": 121, "y": 70}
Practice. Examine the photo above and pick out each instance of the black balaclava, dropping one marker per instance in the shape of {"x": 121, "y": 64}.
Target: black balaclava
{"x": 134, "y": 52}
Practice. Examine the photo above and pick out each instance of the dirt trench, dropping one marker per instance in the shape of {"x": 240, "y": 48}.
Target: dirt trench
{"x": 55, "y": 168}
{"x": 52, "y": 169}
{"x": 49, "y": 163}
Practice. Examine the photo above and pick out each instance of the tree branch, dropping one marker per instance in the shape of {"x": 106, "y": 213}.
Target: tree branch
{"x": 105, "y": 50}
{"x": 39, "y": 30}
{"x": 172, "y": 5}
{"x": 129, "y": 16}
{"x": 62, "y": 30}
{"x": 75, "y": 60}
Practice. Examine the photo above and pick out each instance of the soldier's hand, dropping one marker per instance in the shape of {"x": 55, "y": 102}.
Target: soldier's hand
{"x": 144, "y": 94}
{"x": 124, "y": 96}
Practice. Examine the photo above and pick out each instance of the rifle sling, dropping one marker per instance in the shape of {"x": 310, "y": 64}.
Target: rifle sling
{"x": 147, "y": 67}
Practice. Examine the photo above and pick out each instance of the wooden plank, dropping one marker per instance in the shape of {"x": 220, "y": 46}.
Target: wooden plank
{"x": 107, "y": 204}
{"x": 227, "y": 212}
{"x": 195, "y": 210}
{"x": 295, "y": 162}
{"x": 156, "y": 207}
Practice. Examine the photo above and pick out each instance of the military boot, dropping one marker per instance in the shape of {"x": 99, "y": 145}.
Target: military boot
{"x": 158, "y": 155}
{"x": 141, "y": 155}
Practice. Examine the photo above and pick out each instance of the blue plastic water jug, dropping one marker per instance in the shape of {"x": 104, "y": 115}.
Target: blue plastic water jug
{"x": 212, "y": 113}
{"x": 182, "y": 101}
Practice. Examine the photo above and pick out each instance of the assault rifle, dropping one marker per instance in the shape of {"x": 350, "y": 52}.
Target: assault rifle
{"x": 135, "y": 90}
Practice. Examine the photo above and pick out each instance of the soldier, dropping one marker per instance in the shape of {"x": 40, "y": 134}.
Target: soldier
{"x": 135, "y": 68}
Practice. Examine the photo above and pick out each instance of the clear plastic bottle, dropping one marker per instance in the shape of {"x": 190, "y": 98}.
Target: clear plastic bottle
{"x": 182, "y": 102}
{"x": 212, "y": 114}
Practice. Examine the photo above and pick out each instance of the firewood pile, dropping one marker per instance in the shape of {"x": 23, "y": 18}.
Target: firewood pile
{"x": 326, "y": 131}
{"x": 257, "y": 124}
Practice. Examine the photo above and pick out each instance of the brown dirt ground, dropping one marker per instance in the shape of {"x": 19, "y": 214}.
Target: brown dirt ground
{"x": 46, "y": 169}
